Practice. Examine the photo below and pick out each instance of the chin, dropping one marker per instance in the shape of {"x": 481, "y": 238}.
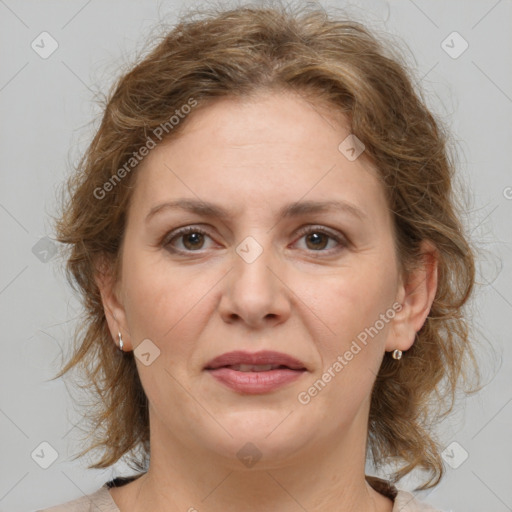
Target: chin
{"x": 261, "y": 439}
{"x": 258, "y": 453}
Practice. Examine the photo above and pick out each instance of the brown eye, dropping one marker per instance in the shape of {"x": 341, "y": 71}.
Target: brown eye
{"x": 192, "y": 238}
{"x": 317, "y": 239}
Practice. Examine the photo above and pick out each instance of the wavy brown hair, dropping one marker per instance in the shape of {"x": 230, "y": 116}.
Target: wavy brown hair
{"x": 333, "y": 61}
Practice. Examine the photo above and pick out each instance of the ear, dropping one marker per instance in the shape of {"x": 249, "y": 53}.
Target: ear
{"x": 416, "y": 293}
{"x": 113, "y": 307}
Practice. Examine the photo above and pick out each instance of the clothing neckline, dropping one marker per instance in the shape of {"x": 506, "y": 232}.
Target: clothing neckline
{"x": 380, "y": 485}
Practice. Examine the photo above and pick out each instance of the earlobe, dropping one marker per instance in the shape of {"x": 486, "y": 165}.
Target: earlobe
{"x": 417, "y": 295}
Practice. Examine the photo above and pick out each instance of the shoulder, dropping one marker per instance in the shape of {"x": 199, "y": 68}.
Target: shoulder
{"x": 407, "y": 502}
{"x": 99, "y": 500}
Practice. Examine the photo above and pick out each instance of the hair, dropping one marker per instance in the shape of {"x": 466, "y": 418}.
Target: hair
{"x": 335, "y": 62}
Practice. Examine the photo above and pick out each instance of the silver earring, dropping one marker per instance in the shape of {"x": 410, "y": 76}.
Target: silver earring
{"x": 120, "y": 341}
{"x": 397, "y": 354}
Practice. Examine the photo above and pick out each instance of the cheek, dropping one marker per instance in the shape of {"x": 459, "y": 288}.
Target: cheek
{"x": 351, "y": 348}
{"x": 347, "y": 306}
{"x": 164, "y": 303}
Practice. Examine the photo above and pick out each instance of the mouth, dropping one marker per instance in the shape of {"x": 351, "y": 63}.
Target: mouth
{"x": 256, "y": 373}
{"x": 262, "y": 361}
{"x": 255, "y": 367}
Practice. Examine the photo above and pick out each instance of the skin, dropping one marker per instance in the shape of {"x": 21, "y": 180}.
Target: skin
{"x": 304, "y": 297}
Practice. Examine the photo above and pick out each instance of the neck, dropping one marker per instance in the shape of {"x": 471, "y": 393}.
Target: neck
{"x": 326, "y": 477}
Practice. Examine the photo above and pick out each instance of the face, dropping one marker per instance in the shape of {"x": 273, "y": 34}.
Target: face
{"x": 312, "y": 284}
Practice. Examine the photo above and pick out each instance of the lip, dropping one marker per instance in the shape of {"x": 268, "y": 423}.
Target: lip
{"x": 255, "y": 358}
{"x": 255, "y": 382}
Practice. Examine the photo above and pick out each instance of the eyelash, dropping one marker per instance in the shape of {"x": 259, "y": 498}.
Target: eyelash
{"x": 169, "y": 237}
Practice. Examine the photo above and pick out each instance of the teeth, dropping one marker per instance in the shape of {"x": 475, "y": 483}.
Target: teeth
{"x": 254, "y": 368}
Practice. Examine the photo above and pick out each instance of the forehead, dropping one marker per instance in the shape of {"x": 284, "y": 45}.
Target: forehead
{"x": 258, "y": 152}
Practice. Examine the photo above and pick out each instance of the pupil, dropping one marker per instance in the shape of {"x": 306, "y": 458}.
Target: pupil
{"x": 194, "y": 236}
{"x": 316, "y": 238}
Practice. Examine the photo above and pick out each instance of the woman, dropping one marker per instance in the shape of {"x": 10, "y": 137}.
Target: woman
{"x": 265, "y": 237}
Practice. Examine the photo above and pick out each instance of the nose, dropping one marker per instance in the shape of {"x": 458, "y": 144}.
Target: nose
{"x": 255, "y": 291}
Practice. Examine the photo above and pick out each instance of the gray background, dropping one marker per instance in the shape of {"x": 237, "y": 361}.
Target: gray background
{"x": 47, "y": 117}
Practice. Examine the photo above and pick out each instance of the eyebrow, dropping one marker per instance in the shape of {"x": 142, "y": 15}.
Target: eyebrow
{"x": 207, "y": 209}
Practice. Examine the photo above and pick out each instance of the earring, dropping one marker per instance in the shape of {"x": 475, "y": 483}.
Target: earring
{"x": 397, "y": 354}
{"x": 120, "y": 341}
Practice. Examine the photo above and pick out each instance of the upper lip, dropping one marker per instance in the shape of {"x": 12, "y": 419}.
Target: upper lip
{"x": 255, "y": 358}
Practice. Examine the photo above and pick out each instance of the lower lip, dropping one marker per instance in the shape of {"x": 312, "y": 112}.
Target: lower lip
{"x": 255, "y": 382}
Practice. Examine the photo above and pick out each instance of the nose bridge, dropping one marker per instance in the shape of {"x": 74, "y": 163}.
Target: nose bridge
{"x": 253, "y": 261}
{"x": 254, "y": 293}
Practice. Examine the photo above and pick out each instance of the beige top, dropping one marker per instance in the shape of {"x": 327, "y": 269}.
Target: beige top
{"x": 101, "y": 500}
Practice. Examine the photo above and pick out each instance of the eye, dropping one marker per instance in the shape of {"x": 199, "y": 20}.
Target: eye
{"x": 317, "y": 238}
{"x": 193, "y": 239}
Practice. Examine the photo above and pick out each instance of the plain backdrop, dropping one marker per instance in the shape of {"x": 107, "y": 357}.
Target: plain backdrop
{"x": 47, "y": 118}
